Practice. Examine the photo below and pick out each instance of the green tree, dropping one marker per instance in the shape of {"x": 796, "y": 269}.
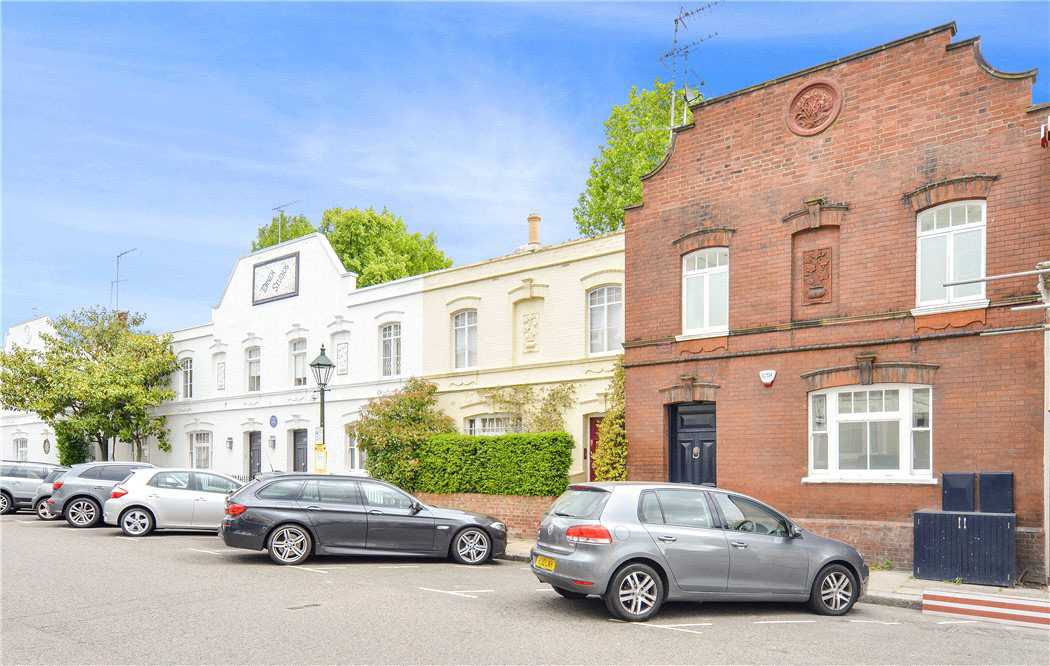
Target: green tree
{"x": 378, "y": 247}
{"x": 72, "y": 444}
{"x": 540, "y": 410}
{"x": 375, "y": 245}
{"x": 610, "y": 455}
{"x": 637, "y": 137}
{"x": 393, "y": 427}
{"x": 282, "y": 228}
{"x": 97, "y": 375}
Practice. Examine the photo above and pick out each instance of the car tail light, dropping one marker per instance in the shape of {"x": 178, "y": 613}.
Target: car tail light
{"x": 234, "y": 509}
{"x": 56, "y": 485}
{"x": 118, "y": 491}
{"x": 588, "y": 534}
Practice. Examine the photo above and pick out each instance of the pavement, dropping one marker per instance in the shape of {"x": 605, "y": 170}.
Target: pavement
{"x": 885, "y": 588}
{"x": 97, "y": 597}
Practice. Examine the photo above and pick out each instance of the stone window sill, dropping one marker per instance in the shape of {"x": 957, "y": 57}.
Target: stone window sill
{"x": 918, "y": 480}
{"x": 700, "y": 336}
{"x": 949, "y": 307}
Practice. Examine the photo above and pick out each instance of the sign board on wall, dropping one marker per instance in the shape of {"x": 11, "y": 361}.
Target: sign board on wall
{"x": 275, "y": 279}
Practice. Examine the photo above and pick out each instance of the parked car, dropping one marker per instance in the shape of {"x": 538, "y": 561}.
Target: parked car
{"x": 19, "y": 481}
{"x": 185, "y": 499}
{"x": 79, "y": 495}
{"x": 640, "y": 544}
{"x": 293, "y": 516}
{"x": 43, "y": 493}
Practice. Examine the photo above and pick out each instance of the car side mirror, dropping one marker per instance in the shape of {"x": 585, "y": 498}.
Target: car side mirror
{"x": 416, "y": 507}
{"x": 794, "y": 531}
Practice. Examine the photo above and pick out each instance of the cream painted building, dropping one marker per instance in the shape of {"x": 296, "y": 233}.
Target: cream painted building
{"x": 246, "y": 401}
{"x": 538, "y": 317}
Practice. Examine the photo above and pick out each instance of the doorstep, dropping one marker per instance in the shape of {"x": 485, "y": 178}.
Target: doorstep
{"x": 886, "y": 588}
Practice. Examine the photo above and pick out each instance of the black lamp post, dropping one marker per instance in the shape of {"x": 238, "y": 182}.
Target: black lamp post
{"x": 322, "y": 367}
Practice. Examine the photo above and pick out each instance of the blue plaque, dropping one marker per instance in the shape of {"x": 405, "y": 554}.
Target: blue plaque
{"x": 273, "y": 421}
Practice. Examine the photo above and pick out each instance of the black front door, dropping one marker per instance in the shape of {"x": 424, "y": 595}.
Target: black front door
{"x": 298, "y": 450}
{"x": 254, "y": 454}
{"x": 691, "y": 446}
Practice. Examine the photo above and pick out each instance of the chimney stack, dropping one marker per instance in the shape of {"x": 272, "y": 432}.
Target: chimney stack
{"x": 534, "y": 230}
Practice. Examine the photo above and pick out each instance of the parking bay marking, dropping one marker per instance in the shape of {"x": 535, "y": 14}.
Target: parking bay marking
{"x": 670, "y": 627}
{"x": 464, "y": 593}
{"x": 401, "y": 566}
{"x": 210, "y": 552}
{"x": 784, "y": 621}
{"x": 873, "y": 622}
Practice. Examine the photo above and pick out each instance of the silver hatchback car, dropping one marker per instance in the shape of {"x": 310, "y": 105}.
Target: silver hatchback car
{"x": 640, "y": 544}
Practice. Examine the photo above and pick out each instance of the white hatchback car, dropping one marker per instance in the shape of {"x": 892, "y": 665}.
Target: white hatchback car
{"x": 165, "y": 498}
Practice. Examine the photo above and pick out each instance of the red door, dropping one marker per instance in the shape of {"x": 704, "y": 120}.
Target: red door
{"x": 592, "y": 431}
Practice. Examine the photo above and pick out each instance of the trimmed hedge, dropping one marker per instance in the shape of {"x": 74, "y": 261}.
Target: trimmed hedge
{"x": 516, "y": 464}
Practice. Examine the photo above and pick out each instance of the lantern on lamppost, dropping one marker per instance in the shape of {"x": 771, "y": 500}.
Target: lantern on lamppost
{"x": 322, "y": 368}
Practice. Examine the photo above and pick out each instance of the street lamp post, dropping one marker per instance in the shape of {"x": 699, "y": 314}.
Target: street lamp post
{"x": 322, "y": 368}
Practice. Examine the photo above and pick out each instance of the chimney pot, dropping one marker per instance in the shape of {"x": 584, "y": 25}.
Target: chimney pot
{"x": 534, "y": 229}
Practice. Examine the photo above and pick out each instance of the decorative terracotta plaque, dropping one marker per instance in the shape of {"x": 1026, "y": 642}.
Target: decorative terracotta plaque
{"x": 816, "y": 276}
{"x": 814, "y": 107}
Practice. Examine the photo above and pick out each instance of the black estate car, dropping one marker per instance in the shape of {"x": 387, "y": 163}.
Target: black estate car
{"x": 295, "y": 515}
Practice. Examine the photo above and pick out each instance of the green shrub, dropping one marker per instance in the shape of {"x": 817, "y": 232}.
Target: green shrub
{"x": 73, "y": 444}
{"x": 516, "y": 464}
{"x": 610, "y": 456}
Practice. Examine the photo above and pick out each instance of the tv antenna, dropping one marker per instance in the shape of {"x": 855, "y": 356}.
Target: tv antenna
{"x": 680, "y": 21}
{"x": 279, "y": 215}
{"x": 114, "y": 286}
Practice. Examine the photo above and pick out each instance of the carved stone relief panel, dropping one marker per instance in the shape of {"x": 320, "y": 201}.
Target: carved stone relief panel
{"x": 816, "y": 276}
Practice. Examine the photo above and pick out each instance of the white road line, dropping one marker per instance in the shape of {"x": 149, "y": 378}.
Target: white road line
{"x": 210, "y": 552}
{"x": 546, "y": 589}
{"x": 785, "y": 621}
{"x": 669, "y": 627}
{"x": 957, "y": 622}
{"x": 873, "y": 622}
{"x": 30, "y": 522}
{"x": 526, "y": 568}
{"x": 127, "y": 538}
{"x": 464, "y": 593}
{"x": 694, "y": 624}
{"x": 401, "y": 566}
{"x": 320, "y": 571}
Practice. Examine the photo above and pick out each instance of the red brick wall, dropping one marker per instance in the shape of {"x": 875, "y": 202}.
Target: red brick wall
{"x": 912, "y": 115}
{"x": 521, "y": 514}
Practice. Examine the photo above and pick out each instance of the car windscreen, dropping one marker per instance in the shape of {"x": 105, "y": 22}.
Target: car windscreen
{"x": 580, "y": 502}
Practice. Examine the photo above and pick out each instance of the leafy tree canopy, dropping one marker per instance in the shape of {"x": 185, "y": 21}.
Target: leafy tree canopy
{"x": 97, "y": 374}
{"x": 637, "y": 137}
{"x": 375, "y": 245}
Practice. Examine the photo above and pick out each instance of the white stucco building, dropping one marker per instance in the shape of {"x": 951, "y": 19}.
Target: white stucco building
{"x": 246, "y": 400}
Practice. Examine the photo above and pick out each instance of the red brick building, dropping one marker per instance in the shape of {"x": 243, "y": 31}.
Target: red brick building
{"x": 807, "y": 226}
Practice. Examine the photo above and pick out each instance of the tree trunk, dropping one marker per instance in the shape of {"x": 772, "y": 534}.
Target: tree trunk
{"x": 103, "y": 446}
{"x": 138, "y": 450}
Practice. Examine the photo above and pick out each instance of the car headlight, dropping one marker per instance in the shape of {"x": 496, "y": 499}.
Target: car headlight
{"x": 499, "y": 527}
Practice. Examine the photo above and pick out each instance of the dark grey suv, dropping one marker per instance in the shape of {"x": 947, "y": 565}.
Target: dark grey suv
{"x": 294, "y": 516}
{"x": 640, "y": 544}
{"x": 80, "y": 494}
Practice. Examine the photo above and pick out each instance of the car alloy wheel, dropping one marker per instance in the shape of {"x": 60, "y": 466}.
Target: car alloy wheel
{"x": 82, "y": 513}
{"x": 472, "y": 546}
{"x": 635, "y": 593}
{"x": 136, "y": 522}
{"x": 289, "y": 545}
{"x": 836, "y": 591}
{"x": 44, "y": 513}
{"x": 5, "y": 503}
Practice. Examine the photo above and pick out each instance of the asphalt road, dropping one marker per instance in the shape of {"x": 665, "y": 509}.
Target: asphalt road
{"x": 97, "y": 597}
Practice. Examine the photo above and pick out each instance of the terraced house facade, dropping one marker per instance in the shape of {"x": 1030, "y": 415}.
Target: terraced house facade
{"x": 788, "y": 331}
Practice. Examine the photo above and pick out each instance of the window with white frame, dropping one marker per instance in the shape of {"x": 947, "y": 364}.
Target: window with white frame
{"x": 465, "y": 339}
{"x": 187, "y": 378}
{"x": 493, "y": 424}
{"x": 705, "y": 291}
{"x": 950, "y": 247}
{"x": 390, "y": 336}
{"x": 21, "y": 448}
{"x": 200, "y": 450}
{"x": 355, "y": 457}
{"x": 253, "y": 361}
{"x": 605, "y": 318}
{"x": 299, "y": 362}
{"x": 871, "y": 432}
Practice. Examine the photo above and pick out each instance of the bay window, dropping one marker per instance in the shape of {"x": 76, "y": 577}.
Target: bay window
{"x": 950, "y": 247}
{"x": 705, "y": 291}
{"x": 881, "y": 431}
{"x": 493, "y": 424}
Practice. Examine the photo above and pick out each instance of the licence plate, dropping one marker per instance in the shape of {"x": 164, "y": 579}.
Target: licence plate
{"x": 544, "y": 563}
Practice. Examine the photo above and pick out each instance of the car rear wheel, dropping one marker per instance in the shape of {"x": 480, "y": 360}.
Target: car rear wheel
{"x": 136, "y": 522}
{"x": 569, "y": 594}
{"x": 83, "y": 512}
{"x": 834, "y": 591}
{"x": 635, "y": 593}
{"x": 6, "y": 504}
{"x": 42, "y": 512}
{"x": 471, "y": 546}
{"x": 289, "y": 544}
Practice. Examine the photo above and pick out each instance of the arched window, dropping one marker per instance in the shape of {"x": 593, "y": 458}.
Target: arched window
{"x": 390, "y": 346}
{"x": 299, "y": 362}
{"x": 465, "y": 339}
{"x": 705, "y": 291}
{"x": 253, "y": 363}
{"x": 605, "y": 318}
{"x": 950, "y": 247}
{"x": 187, "y": 378}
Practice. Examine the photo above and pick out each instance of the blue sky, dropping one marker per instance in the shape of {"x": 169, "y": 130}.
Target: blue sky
{"x": 175, "y": 128}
